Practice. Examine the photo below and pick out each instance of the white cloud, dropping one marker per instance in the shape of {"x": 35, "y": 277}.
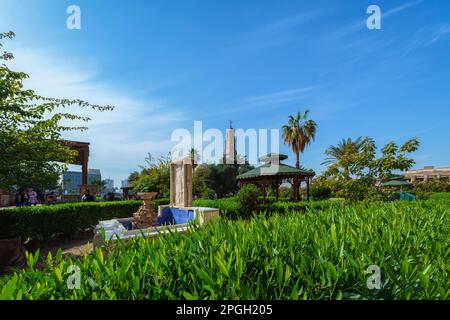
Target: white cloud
{"x": 279, "y": 97}
{"x": 119, "y": 139}
{"x": 275, "y": 33}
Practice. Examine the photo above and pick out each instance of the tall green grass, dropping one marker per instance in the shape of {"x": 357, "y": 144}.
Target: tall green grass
{"x": 440, "y": 196}
{"x": 309, "y": 255}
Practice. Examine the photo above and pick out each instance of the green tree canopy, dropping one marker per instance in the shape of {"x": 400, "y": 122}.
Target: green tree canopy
{"x": 153, "y": 177}
{"x": 358, "y": 159}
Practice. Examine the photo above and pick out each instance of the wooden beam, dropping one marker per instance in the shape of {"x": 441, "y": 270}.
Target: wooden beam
{"x": 307, "y": 188}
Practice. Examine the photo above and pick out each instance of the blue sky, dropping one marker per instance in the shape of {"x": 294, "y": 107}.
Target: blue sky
{"x": 164, "y": 64}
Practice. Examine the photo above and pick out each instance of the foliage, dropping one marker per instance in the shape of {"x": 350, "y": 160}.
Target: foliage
{"x": 357, "y": 159}
{"x": 298, "y": 133}
{"x": 320, "y": 192}
{"x": 65, "y": 220}
{"x": 248, "y": 199}
{"x": 354, "y": 168}
{"x": 221, "y": 178}
{"x": 98, "y": 184}
{"x": 343, "y": 156}
{"x": 431, "y": 185}
{"x": 394, "y": 158}
{"x": 160, "y": 202}
{"x": 208, "y": 193}
{"x": 230, "y": 208}
{"x": 440, "y": 196}
{"x": 30, "y": 131}
{"x": 154, "y": 176}
{"x": 296, "y": 256}
{"x": 285, "y": 192}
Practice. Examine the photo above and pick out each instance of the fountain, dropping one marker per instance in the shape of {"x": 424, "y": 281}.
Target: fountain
{"x": 172, "y": 217}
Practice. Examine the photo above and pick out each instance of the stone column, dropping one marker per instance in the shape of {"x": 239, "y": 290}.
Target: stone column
{"x": 181, "y": 182}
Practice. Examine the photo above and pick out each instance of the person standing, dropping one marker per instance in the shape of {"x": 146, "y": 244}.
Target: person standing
{"x": 32, "y": 197}
{"x": 87, "y": 197}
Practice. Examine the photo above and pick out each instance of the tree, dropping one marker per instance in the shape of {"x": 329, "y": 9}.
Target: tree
{"x": 298, "y": 133}
{"x": 342, "y": 156}
{"x": 31, "y": 130}
{"x": 393, "y": 158}
{"x": 221, "y": 178}
{"x": 153, "y": 177}
{"x": 362, "y": 168}
{"x": 99, "y": 185}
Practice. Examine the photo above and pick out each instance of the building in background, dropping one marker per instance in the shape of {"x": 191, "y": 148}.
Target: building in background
{"x": 72, "y": 180}
{"x": 427, "y": 173}
{"x": 125, "y": 189}
{"x": 109, "y": 184}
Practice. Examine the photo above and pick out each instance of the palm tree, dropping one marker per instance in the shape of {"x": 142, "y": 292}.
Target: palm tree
{"x": 341, "y": 154}
{"x": 298, "y": 133}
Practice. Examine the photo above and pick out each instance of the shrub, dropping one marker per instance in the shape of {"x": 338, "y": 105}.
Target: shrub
{"x": 320, "y": 192}
{"x": 208, "y": 193}
{"x": 316, "y": 255}
{"x": 247, "y": 199}
{"x": 47, "y": 222}
{"x": 160, "y": 202}
{"x": 440, "y": 196}
{"x": 285, "y": 192}
{"x": 432, "y": 185}
{"x": 228, "y": 207}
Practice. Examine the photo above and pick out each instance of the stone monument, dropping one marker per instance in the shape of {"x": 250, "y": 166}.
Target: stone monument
{"x": 181, "y": 172}
{"x": 146, "y": 216}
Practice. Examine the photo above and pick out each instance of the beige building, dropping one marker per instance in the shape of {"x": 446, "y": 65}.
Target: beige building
{"x": 428, "y": 172}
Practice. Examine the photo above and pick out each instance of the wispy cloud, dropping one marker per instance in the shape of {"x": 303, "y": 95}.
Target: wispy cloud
{"x": 279, "y": 97}
{"x": 401, "y": 8}
{"x": 275, "y": 33}
{"x": 119, "y": 139}
{"x": 428, "y": 36}
{"x": 361, "y": 24}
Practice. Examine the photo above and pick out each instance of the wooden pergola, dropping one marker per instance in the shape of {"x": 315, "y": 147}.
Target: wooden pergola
{"x": 82, "y": 158}
{"x": 273, "y": 173}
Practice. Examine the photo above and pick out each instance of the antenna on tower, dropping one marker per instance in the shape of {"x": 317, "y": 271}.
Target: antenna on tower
{"x": 231, "y": 124}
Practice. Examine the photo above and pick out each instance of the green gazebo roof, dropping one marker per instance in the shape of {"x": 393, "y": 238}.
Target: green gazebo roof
{"x": 276, "y": 156}
{"x": 395, "y": 180}
{"x": 280, "y": 170}
{"x": 395, "y": 183}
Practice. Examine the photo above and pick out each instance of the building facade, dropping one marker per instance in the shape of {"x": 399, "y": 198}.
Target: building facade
{"x": 109, "y": 184}
{"x": 427, "y": 173}
{"x": 72, "y": 180}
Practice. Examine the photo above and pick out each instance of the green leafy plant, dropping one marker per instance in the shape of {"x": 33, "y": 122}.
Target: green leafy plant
{"x": 248, "y": 199}
{"x": 320, "y": 192}
{"x": 32, "y": 150}
{"x": 314, "y": 255}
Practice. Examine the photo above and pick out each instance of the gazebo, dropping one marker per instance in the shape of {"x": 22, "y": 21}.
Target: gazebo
{"x": 396, "y": 181}
{"x": 273, "y": 173}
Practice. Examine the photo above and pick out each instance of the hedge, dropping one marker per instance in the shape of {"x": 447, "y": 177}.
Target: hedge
{"x": 47, "y": 222}
{"x": 229, "y": 207}
{"x": 161, "y": 201}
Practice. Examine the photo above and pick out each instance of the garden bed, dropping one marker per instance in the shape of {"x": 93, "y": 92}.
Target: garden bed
{"x": 319, "y": 254}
